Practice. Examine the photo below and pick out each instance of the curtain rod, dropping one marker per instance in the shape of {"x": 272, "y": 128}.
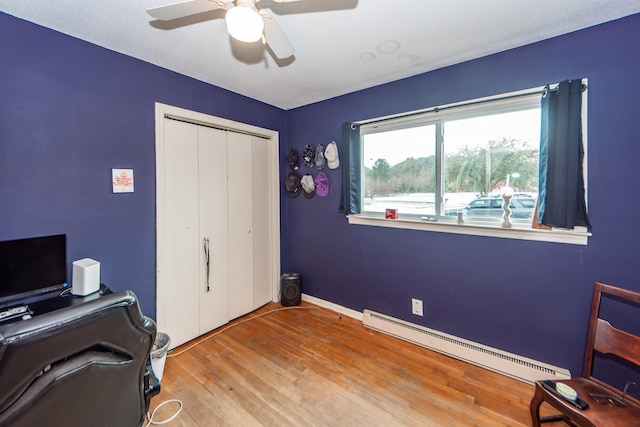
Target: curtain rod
{"x": 514, "y": 95}
{"x": 530, "y": 92}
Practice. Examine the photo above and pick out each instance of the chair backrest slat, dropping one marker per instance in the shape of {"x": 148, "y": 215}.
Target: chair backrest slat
{"x": 609, "y": 340}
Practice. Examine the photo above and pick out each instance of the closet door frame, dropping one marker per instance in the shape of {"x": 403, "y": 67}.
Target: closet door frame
{"x": 163, "y": 111}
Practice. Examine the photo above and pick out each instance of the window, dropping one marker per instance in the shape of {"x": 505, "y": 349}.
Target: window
{"x": 449, "y": 166}
{"x": 459, "y": 160}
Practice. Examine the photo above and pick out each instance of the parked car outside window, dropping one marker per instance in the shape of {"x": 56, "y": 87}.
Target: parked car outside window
{"x": 491, "y": 207}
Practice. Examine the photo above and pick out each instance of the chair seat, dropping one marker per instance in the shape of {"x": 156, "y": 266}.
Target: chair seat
{"x": 600, "y": 415}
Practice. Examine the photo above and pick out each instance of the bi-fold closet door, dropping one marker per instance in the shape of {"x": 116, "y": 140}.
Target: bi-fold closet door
{"x": 216, "y": 222}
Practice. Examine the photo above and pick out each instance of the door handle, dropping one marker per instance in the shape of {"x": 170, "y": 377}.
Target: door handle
{"x": 207, "y": 261}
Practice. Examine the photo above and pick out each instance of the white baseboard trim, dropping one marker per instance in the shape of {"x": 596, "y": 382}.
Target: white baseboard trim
{"x": 331, "y": 306}
{"x": 518, "y": 367}
{"x": 509, "y": 364}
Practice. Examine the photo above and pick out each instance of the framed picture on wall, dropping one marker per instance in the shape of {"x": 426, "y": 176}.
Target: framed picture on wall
{"x": 122, "y": 180}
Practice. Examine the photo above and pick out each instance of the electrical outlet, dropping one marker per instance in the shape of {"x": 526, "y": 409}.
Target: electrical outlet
{"x": 416, "y": 307}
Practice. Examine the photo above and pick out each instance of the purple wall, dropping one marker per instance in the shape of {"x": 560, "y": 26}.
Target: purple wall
{"x": 69, "y": 112}
{"x": 529, "y": 298}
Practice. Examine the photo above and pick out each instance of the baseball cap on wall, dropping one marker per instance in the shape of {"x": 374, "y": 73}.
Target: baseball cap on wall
{"x": 320, "y": 161}
{"x": 331, "y": 154}
{"x": 322, "y": 184}
{"x": 293, "y": 159}
{"x": 308, "y": 156}
{"x": 292, "y": 185}
{"x": 308, "y": 186}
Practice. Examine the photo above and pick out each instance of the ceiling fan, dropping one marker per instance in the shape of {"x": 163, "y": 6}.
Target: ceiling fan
{"x": 244, "y": 22}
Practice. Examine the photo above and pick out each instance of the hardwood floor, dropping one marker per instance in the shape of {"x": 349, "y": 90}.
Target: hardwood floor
{"x": 309, "y": 366}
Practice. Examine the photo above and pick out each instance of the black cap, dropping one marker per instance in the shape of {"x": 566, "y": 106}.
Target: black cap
{"x": 293, "y": 159}
{"x": 293, "y": 185}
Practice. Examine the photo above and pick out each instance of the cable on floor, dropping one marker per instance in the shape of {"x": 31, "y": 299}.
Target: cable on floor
{"x": 150, "y": 417}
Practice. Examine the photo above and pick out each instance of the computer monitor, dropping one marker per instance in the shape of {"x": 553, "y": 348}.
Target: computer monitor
{"x": 32, "y": 267}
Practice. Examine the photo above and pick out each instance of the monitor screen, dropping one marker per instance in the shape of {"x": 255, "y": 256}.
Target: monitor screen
{"x": 33, "y": 266}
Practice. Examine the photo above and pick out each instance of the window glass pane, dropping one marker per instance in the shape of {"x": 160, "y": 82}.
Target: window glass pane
{"x": 482, "y": 155}
{"x": 399, "y": 170}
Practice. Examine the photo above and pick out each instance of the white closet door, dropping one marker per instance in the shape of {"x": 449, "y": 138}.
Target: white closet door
{"x": 240, "y": 172}
{"x": 213, "y": 305}
{"x": 261, "y": 225}
{"x": 214, "y": 185}
{"x": 182, "y": 231}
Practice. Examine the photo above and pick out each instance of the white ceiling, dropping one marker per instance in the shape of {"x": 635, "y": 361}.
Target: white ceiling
{"x": 341, "y": 45}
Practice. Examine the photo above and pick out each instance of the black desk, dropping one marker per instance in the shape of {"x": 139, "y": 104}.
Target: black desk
{"x": 55, "y": 301}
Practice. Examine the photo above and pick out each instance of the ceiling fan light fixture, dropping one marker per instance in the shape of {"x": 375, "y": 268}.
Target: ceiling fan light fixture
{"x": 244, "y": 23}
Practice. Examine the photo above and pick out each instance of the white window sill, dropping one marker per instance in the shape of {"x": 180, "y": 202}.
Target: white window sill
{"x": 518, "y": 231}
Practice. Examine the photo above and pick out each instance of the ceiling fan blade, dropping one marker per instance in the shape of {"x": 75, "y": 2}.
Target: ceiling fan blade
{"x": 182, "y": 9}
{"x": 275, "y": 38}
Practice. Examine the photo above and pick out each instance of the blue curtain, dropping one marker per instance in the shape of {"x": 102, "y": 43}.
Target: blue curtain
{"x": 351, "y": 169}
{"x": 561, "y": 195}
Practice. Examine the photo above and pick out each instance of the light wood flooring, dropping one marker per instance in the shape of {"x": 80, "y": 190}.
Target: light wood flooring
{"x": 309, "y": 366}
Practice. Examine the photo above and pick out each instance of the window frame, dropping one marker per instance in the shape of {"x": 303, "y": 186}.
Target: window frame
{"x": 514, "y": 101}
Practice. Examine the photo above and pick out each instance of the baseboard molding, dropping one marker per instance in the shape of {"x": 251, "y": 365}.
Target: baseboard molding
{"x": 512, "y": 365}
{"x": 503, "y": 362}
{"x": 331, "y": 306}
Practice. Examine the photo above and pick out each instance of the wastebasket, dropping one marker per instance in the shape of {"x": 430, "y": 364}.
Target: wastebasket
{"x": 159, "y": 353}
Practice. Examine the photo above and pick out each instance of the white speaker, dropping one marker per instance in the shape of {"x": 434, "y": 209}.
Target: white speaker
{"x": 86, "y": 277}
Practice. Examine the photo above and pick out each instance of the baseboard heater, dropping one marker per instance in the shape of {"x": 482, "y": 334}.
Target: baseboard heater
{"x": 512, "y": 365}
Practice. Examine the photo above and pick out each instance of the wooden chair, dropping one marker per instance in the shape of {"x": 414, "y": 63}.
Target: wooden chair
{"x": 608, "y": 406}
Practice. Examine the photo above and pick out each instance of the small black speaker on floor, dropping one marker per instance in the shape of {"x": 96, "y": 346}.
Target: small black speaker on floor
{"x": 290, "y": 289}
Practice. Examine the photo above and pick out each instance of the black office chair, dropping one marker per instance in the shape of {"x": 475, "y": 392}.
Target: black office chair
{"x": 83, "y": 365}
